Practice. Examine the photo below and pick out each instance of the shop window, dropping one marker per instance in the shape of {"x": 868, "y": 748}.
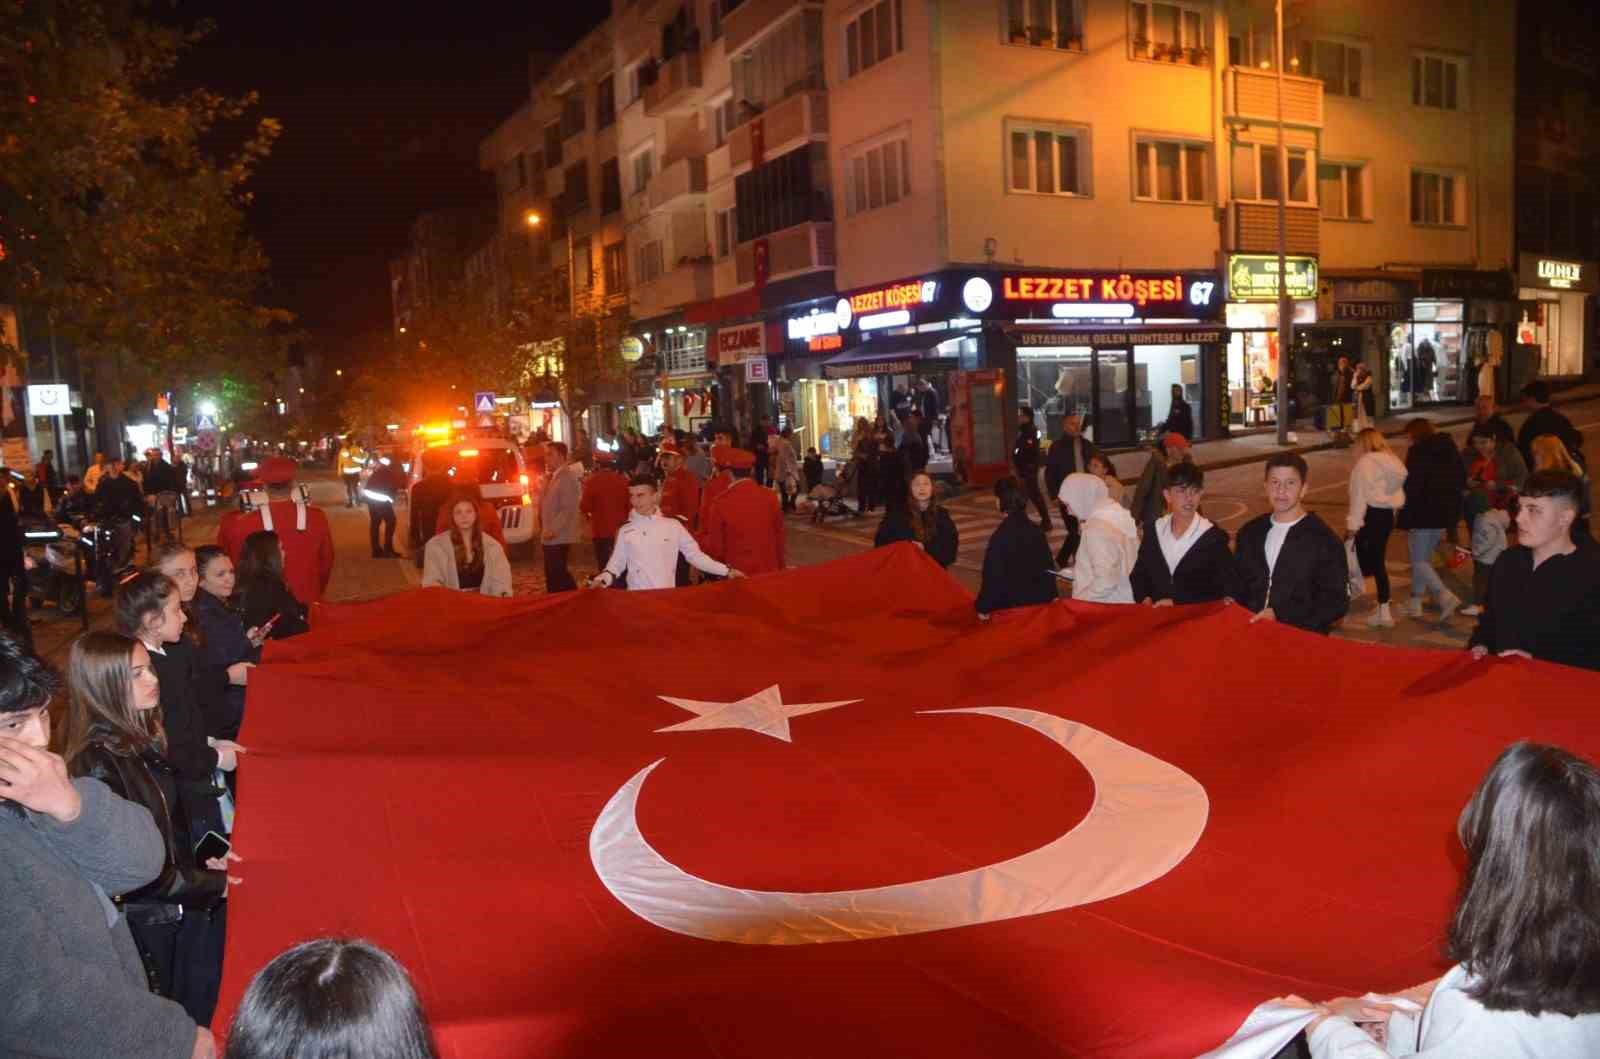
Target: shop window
{"x": 878, "y": 174}
{"x": 582, "y": 265}
{"x": 783, "y": 62}
{"x": 725, "y": 232}
{"x": 1339, "y": 65}
{"x": 552, "y": 145}
{"x": 648, "y": 263}
{"x": 683, "y": 352}
{"x": 1045, "y": 24}
{"x": 1552, "y": 324}
{"x": 1256, "y": 174}
{"x": 610, "y": 186}
{"x": 1168, "y": 32}
{"x": 605, "y": 102}
{"x": 572, "y": 114}
{"x": 644, "y": 167}
{"x": 575, "y": 195}
{"x": 1048, "y": 159}
{"x": 1438, "y": 81}
{"x": 724, "y": 119}
{"x": 615, "y": 259}
{"x": 1342, "y": 187}
{"x": 872, "y": 36}
{"x": 1171, "y": 170}
{"x": 1438, "y": 197}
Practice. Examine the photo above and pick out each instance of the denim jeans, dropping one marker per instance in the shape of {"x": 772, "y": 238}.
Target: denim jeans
{"x": 1420, "y": 545}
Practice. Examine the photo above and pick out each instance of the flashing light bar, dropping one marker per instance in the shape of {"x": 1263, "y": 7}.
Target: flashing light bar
{"x": 249, "y": 465}
{"x": 41, "y": 535}
{"x": 873, "y": 321}
{"x": 467, "y": 452}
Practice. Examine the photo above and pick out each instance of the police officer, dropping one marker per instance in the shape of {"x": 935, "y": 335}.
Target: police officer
{"x": 384, "y": 484}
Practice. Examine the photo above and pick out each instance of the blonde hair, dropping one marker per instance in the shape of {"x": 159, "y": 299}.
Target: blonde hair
{"x": 1372, "y": 440}
{"x": 1549, "y": 454}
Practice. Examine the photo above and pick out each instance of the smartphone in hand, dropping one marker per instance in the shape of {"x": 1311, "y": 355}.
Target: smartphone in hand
{"x": 211, "y": 847}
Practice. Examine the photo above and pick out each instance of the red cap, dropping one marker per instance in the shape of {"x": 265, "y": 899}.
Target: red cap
{"x": 277, "y": 470}
{"x": 739, "y": 459}
{"x": 669, "y": 448}
{"x": 1173, "y": 440}
{"x": 719, "y": 455}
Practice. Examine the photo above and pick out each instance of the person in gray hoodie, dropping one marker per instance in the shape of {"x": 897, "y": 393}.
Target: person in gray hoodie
{"x": 71, "y": 980}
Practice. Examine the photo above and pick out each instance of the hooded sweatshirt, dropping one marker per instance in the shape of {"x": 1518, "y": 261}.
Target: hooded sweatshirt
{"x": 1378, "y": 480}
{"x": 1110, "y": 543}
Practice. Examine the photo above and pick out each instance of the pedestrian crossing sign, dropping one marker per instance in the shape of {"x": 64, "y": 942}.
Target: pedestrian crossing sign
{"x": 484, "y": 402}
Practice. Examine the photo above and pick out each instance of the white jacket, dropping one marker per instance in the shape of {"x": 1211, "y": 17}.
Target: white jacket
{"x": 1106, "y": 555}
{"x": 1378, "y": 480}
{"x": 439, "y": 565}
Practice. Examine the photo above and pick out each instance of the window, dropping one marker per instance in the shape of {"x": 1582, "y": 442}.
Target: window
{"x": 522, "y": 172}
{"x": 785, "y": 61}
{"x": 789, "y": 190}
{"x": 878, "y": 174}
{"x": 639, "y": 75}
{"x": 1255, "y": 173}
{"x": 571, "y": 114}
{"x": 1171, "y": 171}
{"x": 1252, "y": 45}
{"x": 713, "y": 19}
{"x": 610, "y": 186}
{"x": 724, "y": 118}
{"x": 1342, "y": 187}
{"x": 1338, "y": 65}
{"x": 582, "y": 265}
{"x": 616, "y": 269}
{"x": 644, "y": 167}
{"x": 1438, "y": 197}
{"x": 605, "y": 102}
{"x": 552, "y": 145}
{"x": 1168, "y": 32}
{"x": 647, "y": 267}
{"x": 576, "y": 193}
{"x": 1438, "y": 81}
{"x": 683, "y": 352}
{"x": 1048, "y": 159}
{"x": 872, "y": 36}
{"x": 725, "y": 232}
{"x": 1045, "y": 23}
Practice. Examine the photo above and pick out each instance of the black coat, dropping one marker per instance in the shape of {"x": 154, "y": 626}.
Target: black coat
{"x": 1062, "y": 460}
{"x": 891, "y": 477}
{"x": 1016, "y": 566}
{"x": 942, "y": 544}
{"x": 1434, "y": 481}
{"x": 429, "y": 494}
{"x": 1180, "y": 420}
{"x": 159, "y": 477}
{"x": 225, "y": 642}
{"x": 1309, "y": 589}
{"x": 1547, "y": 420}
{"x": 10, "y": 535}
{"x": 1552, "y": 612}
{"x": 177, "y": 665}
{"x": 914, "y": 451}
{"x": 1205, "y": 574}
{"x": 262, "y": 599}
{"x": 118, "y": 496}
{"x": 1025, "y": 454}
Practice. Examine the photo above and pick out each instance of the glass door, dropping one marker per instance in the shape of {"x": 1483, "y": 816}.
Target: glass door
{"x": 1114, "y": 394}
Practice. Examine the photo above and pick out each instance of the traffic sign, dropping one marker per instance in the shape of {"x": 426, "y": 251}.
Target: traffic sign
{"x": 205, "y": 422}
{"x": 484, "y": 402}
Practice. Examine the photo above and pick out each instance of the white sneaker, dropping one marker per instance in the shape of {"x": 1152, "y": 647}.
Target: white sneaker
{"x": 1448, "y": 607}
{"x": 1413, "y": 607}
{"x": 1470, "y": 612}
{"x": 1381, "y": 618}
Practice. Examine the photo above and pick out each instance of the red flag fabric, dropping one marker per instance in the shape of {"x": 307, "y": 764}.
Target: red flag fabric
{"x": 742, "y": 819}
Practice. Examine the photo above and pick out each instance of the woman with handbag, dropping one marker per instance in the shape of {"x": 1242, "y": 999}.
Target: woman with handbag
{"x": 1377, "y": 492}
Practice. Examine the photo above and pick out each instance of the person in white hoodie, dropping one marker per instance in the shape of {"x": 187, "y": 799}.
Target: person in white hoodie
{"x": 1110, "y": 543}
{"x": 1377, "y": 492}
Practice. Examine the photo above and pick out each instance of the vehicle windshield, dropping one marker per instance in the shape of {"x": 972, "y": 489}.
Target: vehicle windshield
{"x": 486, "y": 466}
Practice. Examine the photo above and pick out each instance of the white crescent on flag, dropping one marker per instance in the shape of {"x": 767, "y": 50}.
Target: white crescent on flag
{"x": 1146, "y": 817}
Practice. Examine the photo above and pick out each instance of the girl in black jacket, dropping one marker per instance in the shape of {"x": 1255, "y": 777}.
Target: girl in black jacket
{"x": 922, "y": 521}
{"x": 261, "y": 595}
{"x": 115, "y": 735}
{"x": 228, "y": 646}
{"x": 1017, "y": 568}
{"x": 1434, "y": 483}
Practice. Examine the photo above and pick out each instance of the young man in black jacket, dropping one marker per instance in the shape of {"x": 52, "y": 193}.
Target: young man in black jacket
{"x": 1544, "y": 419}
{"x": 1291, "y": 566}
{"x": 1025, "y": 458}
{"x": 1183, "y": 558}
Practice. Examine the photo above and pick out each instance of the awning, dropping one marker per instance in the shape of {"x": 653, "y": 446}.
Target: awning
{"x": 893, "y": 355}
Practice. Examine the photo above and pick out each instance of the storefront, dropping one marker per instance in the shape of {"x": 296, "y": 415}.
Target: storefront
{"x": 1357, "y": 312}
{"x": 1253, "y": 360}
{"x": 1553, "y": 304}
{"x": 739, "y": 358}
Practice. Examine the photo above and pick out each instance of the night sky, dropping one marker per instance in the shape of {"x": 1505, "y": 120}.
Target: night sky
{"x": 383, "y": 109}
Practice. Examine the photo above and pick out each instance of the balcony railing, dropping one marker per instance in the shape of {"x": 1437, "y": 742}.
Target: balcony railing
{"x": 687, "y": 176}
{"x": 675, "y": 87}
{"x": 803, "y": 248}
{"x": 1253, "y": 228}
{"x": 681, "y": 284}
{"x": 802, "y": 116}
{"x": 740, "y": 25}
{"x": 1252, "y": 95}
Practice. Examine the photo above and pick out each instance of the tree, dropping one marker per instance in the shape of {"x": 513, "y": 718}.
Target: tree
{"x": 116, "y": 219}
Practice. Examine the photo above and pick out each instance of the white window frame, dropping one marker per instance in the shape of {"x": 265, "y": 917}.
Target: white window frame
{"x": 1362, "y": 171}
{"x": 723, "y": 118}
{"x": 1458, "y": 198}
{"x": 630, "y": 83}
{"x": 1060, "y": 130}
{"x": 893, "y": 147}
{"x": 850, "y": 33}
{"x": 1145, "y": 143}
{"x": 1049, "y": 37}
{"x": 1257, "y": 150}
{"x": 1419, "y": 80}
{"x": 1201, "y": 13}
{"x": 1360, "y": 47}
{"x": 682, "y": 352}
{"x": 726, "y": 232}
{"x": 646, "y": 151}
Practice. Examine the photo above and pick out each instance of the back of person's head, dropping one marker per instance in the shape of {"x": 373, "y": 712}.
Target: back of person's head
{"x": 1537, "y": 391}
{"x": 140, "y": 598}
{"x": 1420, "y": 428}
{"x": 643, "y": 478}
{"x": 560, "y": 448}
{"x": 260, "y": 556}
{"x": 331, "y": 998}
{"x": 1372, "y": 440}
{"x": 1026, "y": 412}
{"x": 1527, "y": 925}
{"x": 1292, "y": 460}
{"x": 1009, "y": 494}
{"x": 1186, "y": 475}
{"x": 100, "y": 698}
{"x": 1549, "y": 454}
{"x": 73, "y": 479}
{"x": 26, "y": 682}
{"x": 1556, "y": 484}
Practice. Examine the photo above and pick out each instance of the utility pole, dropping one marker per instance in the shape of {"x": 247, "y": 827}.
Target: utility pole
{"x": 1285, "y": 306}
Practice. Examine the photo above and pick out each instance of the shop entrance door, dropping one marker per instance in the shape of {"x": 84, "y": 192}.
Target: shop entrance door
{"x": 1113, "y": 397}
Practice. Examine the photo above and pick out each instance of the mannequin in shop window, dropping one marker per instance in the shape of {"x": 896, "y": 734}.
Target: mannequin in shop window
{"x": 1426, "y": 369}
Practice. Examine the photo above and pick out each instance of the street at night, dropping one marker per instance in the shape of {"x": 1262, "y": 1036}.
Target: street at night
{"x": 854, "y": 528}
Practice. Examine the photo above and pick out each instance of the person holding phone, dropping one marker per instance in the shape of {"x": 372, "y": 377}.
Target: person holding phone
{"x": 261, "y": 594}
{"x": 115, "y": 734}
{"x": 229, "y": 645}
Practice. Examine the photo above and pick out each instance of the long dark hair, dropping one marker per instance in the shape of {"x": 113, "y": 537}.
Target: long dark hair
{"x": 261, "y": 556}
{"x": 100, "y": 700}
{"x": 1527, "y": 924}
{"x": 331, "y": 997}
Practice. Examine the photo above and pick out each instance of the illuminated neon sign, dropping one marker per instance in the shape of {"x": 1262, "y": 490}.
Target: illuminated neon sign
{"x": 1121, "y": 288}
{"x": 894, "y": 296}
{"x": 1563, "y": 274}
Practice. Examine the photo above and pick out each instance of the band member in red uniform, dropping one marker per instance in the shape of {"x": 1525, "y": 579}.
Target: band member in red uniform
{"x": 718, "y": 483}
{"x": 605, "y": 502}
{"x": 680, "y": 496}
{"x": 745, "y": 526}
{"x": 303, "y": 530}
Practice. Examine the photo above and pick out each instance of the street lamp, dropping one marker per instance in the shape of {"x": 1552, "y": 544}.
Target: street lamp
{"x": 532, "y": 219}
{"x": 208, "y": 409}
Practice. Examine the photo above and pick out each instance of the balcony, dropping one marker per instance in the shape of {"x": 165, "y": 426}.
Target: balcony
{"x": 802, "y": 116}
{"x": 740, "y": 25}
{"x": 1253, "y": 228}
{"x": 686, "y": 282}
{"x": 803, "y": 248}
{"x": 686, "y": 176}
{"x": 675, "y": 89}
{"x": 1252, "y": 95}
{"x": 636, "y": 207}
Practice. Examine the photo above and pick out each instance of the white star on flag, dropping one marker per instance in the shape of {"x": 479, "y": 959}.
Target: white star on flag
{"x": 764, "y": 712}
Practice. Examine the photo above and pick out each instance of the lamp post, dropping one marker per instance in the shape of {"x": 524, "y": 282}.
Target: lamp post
{"x": 1285, "y": 306}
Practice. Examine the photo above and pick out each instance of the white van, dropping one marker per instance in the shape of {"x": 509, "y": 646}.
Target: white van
{"x": 496, "y": 464}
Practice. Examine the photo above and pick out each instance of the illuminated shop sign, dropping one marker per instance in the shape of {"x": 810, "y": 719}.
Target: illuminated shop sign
{"x": 1566, "y": 274}
{"x": 1104, "y": 295}
{"x": 1174, "y": 336}
{"x": 814, "y": 324}
{"x": 825, "y": 343}
{"x": 1563, "y": 274}
{"x": 894, "y": 296}
{"x": 736, "y": 344}
{"x": 1254, "y": 277}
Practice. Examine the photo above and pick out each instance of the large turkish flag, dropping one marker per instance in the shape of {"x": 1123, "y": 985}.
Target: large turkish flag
{"x": 1155, "y": 820}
